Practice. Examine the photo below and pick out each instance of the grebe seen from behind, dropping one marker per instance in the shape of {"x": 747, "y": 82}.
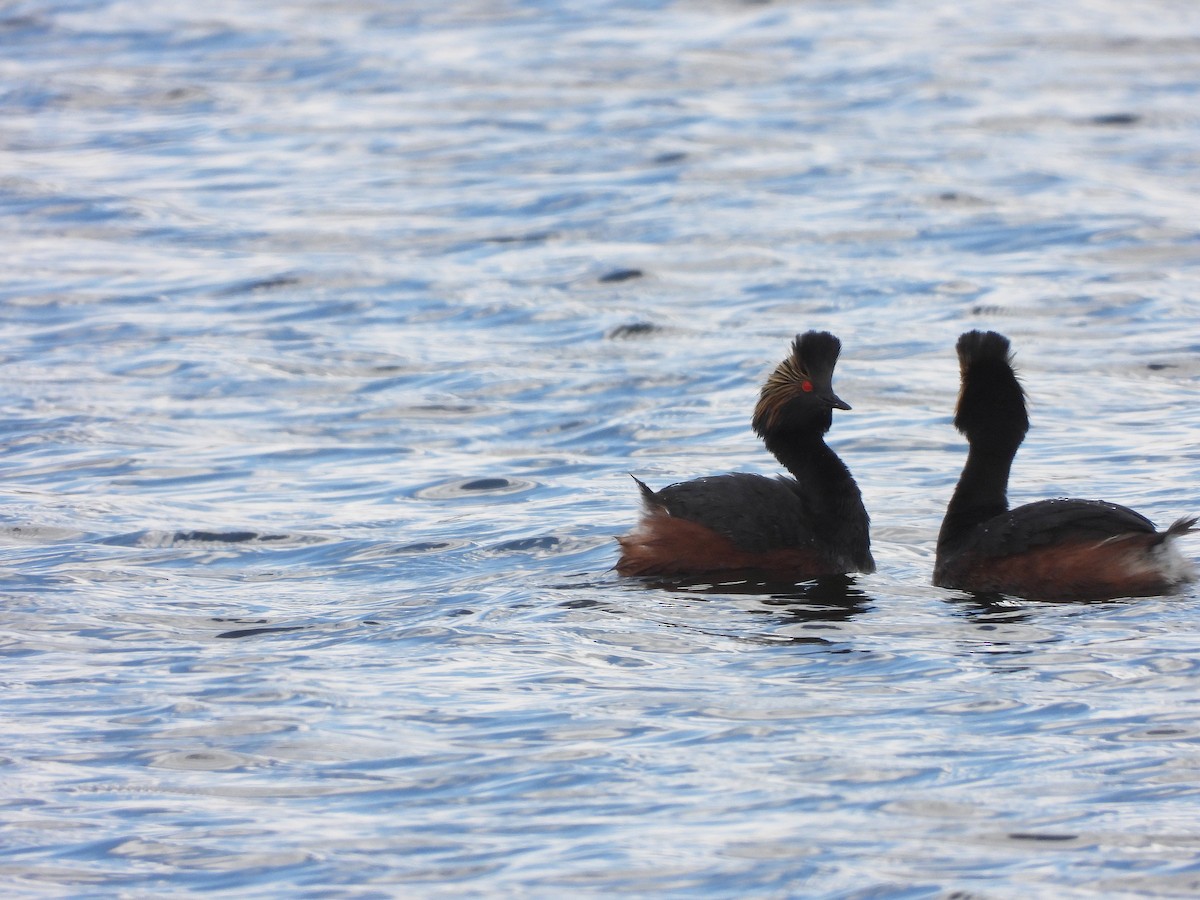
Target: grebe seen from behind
{"x": 800, "y": 527}
{"x": 1053, "y": 549}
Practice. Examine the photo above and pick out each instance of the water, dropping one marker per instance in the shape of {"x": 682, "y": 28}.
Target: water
{"x": 331, "y": 332}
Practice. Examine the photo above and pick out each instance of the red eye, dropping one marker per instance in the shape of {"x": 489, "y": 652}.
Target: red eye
{"x": 806, "y": 386}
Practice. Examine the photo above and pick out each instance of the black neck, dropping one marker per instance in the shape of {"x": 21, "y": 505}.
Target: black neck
{"x": 808, "y": 458}
{"x": 982, "y": 490}
{"x": 823, "y": 480}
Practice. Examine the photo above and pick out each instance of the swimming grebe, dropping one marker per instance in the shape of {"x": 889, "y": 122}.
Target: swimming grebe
{"x": 1066, "y": 549}
{"x": 802, "y": 527}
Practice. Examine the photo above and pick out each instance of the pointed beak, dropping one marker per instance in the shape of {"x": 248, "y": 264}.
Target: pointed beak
{"x": 835, "y": 401}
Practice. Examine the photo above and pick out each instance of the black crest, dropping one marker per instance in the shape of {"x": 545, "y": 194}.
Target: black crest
{"x": 817, "y": 351}
{"x": 991, "y": 403}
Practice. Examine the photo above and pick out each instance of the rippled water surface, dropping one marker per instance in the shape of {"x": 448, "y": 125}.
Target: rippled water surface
{"x": 331, "y": 332}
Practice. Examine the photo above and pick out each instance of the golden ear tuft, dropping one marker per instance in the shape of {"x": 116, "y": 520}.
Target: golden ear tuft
{"x": 782, "y": 385}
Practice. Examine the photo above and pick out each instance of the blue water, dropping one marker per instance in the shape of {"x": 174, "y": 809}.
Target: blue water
{"x": 331, "y": 333}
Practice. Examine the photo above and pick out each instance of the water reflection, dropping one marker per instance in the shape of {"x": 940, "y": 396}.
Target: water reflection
{"x": 833, "y": 598}
{"x": 991, "y": 607}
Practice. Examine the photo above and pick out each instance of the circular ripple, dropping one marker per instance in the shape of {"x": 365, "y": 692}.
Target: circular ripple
{"x": 473, "y": 487}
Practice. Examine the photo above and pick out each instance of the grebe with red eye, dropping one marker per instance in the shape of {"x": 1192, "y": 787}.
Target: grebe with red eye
{"x": 1053, "y": 549}
{"x": 809, "y": 525}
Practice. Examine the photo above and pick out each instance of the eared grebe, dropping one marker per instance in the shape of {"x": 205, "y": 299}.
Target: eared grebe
{"x": 802, "y": 527}
{"x": 1067, "y": 549}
